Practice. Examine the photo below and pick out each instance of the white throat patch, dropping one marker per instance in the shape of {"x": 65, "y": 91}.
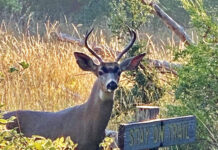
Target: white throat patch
{"x": 105, "y": 95}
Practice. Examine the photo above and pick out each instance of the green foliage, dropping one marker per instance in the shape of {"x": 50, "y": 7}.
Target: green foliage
{"x": 105, "y": 144}
{"x": 199, "y": 18}
{"x": 127, "y": 12}
{"x": 52, "y": 9}
{"x": 40, "y": 10}
{"x": 197, "y": 90}
{"x": 197, "y": 86}
{"x": 10, "y": 5}
{"x": 143, "y": 86}
{"x": 93, "y": 11}
{"x": 11, "y": 140}
{"x": 211, "y": 7}
{"x": 24, "y": 64}
{"x": 12, "y": 69}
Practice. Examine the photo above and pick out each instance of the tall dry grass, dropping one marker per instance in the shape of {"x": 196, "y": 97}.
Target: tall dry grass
{"x": 53, "y": 81}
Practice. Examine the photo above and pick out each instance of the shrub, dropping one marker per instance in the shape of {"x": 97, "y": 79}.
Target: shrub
{"x": 10, "y": 139}
{"x": 129, "y": 12}
{"x": 10, "y": 5}
{"x": 139, "y": 87}
{"x": 197, "y": 86}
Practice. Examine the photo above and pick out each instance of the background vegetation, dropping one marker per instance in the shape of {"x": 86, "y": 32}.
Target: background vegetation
{"x": 38, "y": 72}
{"x": 197, "y": 84}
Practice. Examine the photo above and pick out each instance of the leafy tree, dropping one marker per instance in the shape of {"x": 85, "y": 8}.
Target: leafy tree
{"x": 10, "y": 6}
{"x": 93, "y": 11}
{"x": 197, "y": 86}
{"x": 127, "y": 12}
{"x": 52, "y": 9}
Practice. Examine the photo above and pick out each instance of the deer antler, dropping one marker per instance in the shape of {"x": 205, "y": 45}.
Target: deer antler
{"x": 133, "y": 34}
{"x": 87, "y": 46}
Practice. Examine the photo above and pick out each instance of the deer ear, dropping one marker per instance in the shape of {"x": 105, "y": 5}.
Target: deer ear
{"x": 131, "y": 63}
{"x": 85, "y": 62}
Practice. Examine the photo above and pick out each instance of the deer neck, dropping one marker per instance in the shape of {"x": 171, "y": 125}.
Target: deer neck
{"x": 99, "y": 107}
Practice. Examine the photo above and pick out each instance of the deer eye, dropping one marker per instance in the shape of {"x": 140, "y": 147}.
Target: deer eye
{"x": 100, "y": 73}
{"x": 104, "y": 69}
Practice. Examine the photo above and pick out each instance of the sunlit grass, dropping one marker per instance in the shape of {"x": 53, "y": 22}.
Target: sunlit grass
{"x": 52, "y": 81}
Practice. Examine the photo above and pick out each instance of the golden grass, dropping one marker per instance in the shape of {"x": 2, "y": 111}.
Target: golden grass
{"x": 53, "y": 81}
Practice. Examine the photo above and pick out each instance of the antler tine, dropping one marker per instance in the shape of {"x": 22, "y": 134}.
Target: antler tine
{"x": 87, "y": 46}
{"x": 133, "y": 34}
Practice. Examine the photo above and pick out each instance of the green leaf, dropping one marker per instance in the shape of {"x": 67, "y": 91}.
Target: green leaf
{"x": 48, "y": 143}
{"x": 24, "y": 65}
{"x": 12, "y": 69}
{"x": 3, "y": 121}
{"x": 38, "y": 146}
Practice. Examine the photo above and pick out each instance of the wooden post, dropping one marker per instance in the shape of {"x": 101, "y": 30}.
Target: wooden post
{"x": 144, "y": 113}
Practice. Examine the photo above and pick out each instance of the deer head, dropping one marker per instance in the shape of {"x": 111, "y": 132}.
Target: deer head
{"x": 108, "y": 73}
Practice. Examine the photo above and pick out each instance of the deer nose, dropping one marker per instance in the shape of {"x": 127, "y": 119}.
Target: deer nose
{"x": 112, "y": 86}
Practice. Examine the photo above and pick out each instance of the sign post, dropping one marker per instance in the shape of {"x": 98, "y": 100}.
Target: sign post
{"x": 144, "y": 113}
{"x": 157, "y": 133}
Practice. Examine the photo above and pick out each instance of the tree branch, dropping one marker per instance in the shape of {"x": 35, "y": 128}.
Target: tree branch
{"x": 167, "y": 66}
{"x": 169, "y": 22}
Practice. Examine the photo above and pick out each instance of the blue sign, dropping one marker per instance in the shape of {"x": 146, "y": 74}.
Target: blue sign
{"x": 157, "y": 133}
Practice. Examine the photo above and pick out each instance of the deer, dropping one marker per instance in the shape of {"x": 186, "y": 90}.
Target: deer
{"x": 85, "y": 124}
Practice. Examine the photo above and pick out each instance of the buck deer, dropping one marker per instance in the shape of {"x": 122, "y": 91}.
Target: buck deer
{"x": 85, "y": 123}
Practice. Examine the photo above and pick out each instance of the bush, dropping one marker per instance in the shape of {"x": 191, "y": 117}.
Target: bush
{"x": 10, "y": 139}
{"x": 140, "y": 86}
{"x": 197, "y": 86}
{"x": 10, "y": 5}
{"x": 197, "y": 90}
{"x": 129, "y": 12}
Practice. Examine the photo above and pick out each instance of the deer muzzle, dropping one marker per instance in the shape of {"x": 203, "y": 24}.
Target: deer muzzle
{"x": 111, "y": 86}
